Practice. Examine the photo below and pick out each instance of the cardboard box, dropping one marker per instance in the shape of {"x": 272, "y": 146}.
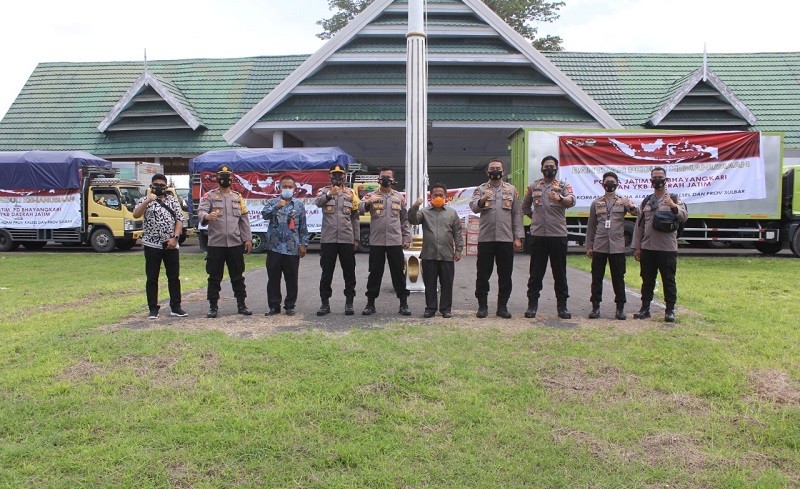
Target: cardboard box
{"x": 472, "y": 238}
{"x": 472, "y": 250}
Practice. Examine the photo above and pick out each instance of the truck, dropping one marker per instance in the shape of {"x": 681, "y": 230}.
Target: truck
{"x": 257, "y": 173}
{"x": 69, "y": 197}
{"x": 734, "y": 183}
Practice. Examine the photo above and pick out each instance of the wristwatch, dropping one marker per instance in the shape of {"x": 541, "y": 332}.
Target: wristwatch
{"x": 177, "y": 237}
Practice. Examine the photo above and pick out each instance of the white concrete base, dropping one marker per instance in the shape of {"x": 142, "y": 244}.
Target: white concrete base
{"x": 413, "y": 268}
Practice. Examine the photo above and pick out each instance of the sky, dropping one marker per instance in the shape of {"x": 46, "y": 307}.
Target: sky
{"x": 89, "y": 30}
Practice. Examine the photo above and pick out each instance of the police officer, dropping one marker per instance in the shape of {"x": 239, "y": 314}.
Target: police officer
{"x": 229, "y": 237}
{"x": 605, "y": 242}
{"x": 340, "y": 233}
{"x": 657, "y": 251}
{"x": 389, "y": 234}
{"x": 500, "y": 234}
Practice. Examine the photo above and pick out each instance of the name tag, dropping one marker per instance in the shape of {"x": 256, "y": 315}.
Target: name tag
{"x": 608, "y": 223}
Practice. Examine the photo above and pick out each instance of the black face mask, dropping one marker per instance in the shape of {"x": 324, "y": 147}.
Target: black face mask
{"x": 549, "y": 172}
{"x": 159, "y": 189}
{"x": 495, "y": 174}
{"x": 338, "y": 182}
{"x": 386, "y": 181}
{"x": 225, "y": 182}
{"x": 658, "y": 183}
{"x": 610, "y": 187}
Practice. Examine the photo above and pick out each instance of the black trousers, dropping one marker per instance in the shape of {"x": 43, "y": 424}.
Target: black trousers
{"x": 542, "y": 250}
{"x": 216, "y": 259}
{"x": 443, "y": 272}
{"x": 664, "y": 262}
{"x": 288, "y": 266}
{"x": 616, "y": 261}
{"x": 490, "y": 252}
{"x": 347, "y": 260}
{"x": 378, "y": 256}
{"x": 153, "y": 257}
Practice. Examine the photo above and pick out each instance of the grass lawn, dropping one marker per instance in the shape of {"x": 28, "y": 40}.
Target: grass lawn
{"x": 712, "y": 402}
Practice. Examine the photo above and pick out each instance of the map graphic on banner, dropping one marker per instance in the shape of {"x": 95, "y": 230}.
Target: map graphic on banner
{"x": 709, "y": 167}
{"x": 40, "y": 209}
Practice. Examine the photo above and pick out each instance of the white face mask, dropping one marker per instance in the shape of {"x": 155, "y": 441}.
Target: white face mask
{"x": 287, "y": 193}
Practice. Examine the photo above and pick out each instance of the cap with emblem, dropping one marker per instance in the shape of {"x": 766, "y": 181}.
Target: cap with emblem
{"x": 337, "y": 169}
{"x": 224, "y": 169}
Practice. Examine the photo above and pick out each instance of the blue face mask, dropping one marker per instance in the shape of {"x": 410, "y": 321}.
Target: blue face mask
{"x": 287, "y": 193}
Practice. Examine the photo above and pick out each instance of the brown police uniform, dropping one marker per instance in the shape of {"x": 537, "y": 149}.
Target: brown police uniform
{"x": 340, "y": 232}
{"x": 389, "y": 229}
{"x": 500, "y": 225}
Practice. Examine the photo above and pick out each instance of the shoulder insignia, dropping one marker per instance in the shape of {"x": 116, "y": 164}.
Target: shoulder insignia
{"x": 568, "y": 188}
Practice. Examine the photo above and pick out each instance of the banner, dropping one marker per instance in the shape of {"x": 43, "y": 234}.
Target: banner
{"x": 709, "y": 167}
{"x": 40, "y": 209}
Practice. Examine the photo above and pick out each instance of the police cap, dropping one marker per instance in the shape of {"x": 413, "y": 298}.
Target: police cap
{"x": 337, "y": 169}
{"x": 224, "y": 169}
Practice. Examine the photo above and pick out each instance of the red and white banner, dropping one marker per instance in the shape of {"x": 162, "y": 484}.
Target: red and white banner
{"x": 709, "y": 167}
{"x": 40, "y": 209}
{"x": 257, "y": 188}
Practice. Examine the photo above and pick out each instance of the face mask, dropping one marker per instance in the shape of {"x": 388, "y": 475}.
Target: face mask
{"x": 495, "y": 174}
{"x": 437, "y": 201}
{"x": 610, "y": 187}
{"x": 159, "y": 189}
{"x": 386, "y": 181}
{"x": 225, "y": 182}
{"x": 549, "y": 172}
{"x": 338, "y": 182}
{"x": 658, "y": 183}
{"x": 286, "y": 193}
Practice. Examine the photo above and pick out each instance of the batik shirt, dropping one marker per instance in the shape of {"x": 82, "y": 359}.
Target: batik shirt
{"x": 159, "y": 225}
{"x": 287, "y": 226}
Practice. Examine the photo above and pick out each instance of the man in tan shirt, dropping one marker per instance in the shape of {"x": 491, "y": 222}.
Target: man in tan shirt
{"x": 605, "y": 242}
{"x": 657, "y": 251}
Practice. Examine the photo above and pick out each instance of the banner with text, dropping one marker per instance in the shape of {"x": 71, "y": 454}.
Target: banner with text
{"x": 710, "y": 167}
{"x": 40, "y": 209}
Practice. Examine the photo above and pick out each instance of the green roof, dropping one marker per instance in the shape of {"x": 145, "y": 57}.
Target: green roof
{"x": 438, "y": 75}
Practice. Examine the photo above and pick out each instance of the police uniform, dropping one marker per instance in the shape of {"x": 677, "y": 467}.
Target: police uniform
{"x": 500, "y": 225}
{"x": 605, "y": 236}
{"x": 226, "y": 237}
{"x": 659, "y": 252}
{"x": 341, "y": 231}
{"x": 389, "y": 229}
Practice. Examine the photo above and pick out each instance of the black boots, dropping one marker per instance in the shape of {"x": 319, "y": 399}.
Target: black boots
{"x": 369, "y": 309}
{"x": 644, "y": 312}
{"x": 403, "y": 310}
{"x": 212, "y": 309}
{"x": 533, "y": 308}
{"x": 620, "y": 314}
{"x": 242, "y": 309}
{"x": 669, "y": 314}
{"x": 502, "y": 310}
{"x": 325, "y": 308}
{"x": 563, "y": 313}
{"x": 595, "y": 313}
{"x": 483, "y": 308}
{"x": 348, "y": 307}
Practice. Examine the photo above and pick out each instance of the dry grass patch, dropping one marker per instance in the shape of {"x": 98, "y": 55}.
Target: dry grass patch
{"x": 775, "y": 386}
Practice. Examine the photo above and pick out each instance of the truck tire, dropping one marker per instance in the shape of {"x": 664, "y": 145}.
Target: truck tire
{"x": 6, "y": 243}
{"x": 629, "y": 227}
{"x": 363, "y": 240}
{"x": 259, "y": 243}
{"x": 202, "y": 241}
{"x": 768, "y": 248}
{"x": 794, "y": 242}
{"x": 102, "y": 240}
{"x": 34, "y": 245}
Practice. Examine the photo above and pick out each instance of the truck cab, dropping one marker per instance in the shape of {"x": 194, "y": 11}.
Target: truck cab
{"x": 108, "y": 212}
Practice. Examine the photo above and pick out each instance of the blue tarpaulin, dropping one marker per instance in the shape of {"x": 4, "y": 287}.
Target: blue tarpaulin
{"x": 45, "y": 170}
{"x": 271, "y": 159}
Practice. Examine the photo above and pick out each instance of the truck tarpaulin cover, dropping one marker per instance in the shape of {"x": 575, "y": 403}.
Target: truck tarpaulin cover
{"x": 706, "y": 167}
{"x": 44, "y": 170}
{"x": 271, "y": 159}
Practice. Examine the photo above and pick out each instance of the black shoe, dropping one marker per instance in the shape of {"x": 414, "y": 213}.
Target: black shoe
{"x": 595, "y": 313}
{"x": 620, "y": 314}
{"x": 643, "y": 313}
{"x": 502, "y": 311}
{"x": 212, "y": 312}
{"x": 273, "y": 311}
{"x": 177, "y": 311}
{"x": 483, "y": 311}
{"x": 447, "y": 314}
{"x": 324, "y": 309}
{"x": 669, "y": 316}
{"x": 428, "y": 314}
{"x": 533, "y": 308}
{"x": 403, "y": 310}
{"x": 563, "y": 313}
{"x": 348, "y": 308}
{"x": 243, "y": 310}
{"x": 289, "y": 311}
{"x": 369, "y": 309}
{"x": 153, "y": 312}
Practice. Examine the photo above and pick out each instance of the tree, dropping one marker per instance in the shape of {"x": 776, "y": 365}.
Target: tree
{"x": 519, "y": 14}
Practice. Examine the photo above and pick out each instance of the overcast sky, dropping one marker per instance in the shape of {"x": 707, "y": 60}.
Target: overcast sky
{"x": 36, "y": 31}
